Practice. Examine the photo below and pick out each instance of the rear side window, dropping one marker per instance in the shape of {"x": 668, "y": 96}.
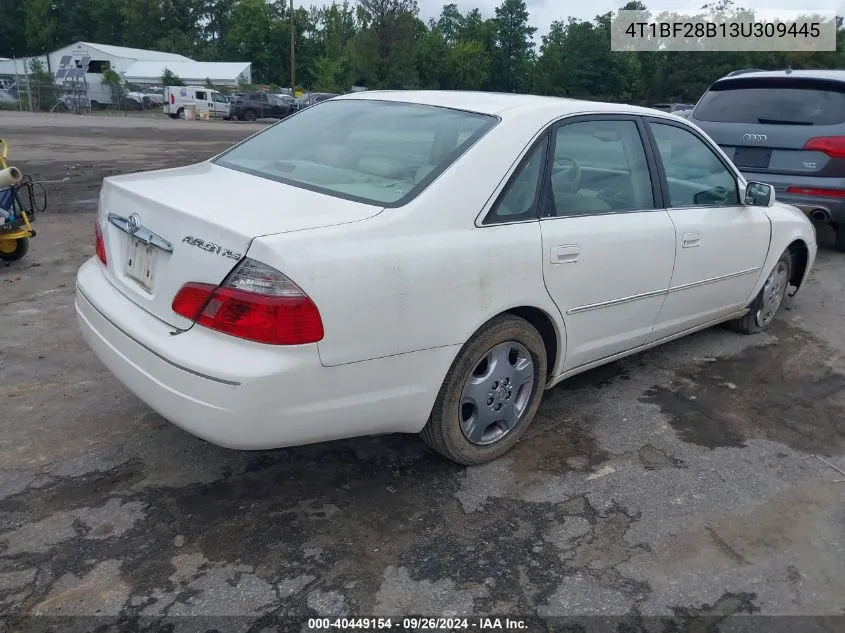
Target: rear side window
{"x": 778, "y": 101}
{"x": 377, "y": 152}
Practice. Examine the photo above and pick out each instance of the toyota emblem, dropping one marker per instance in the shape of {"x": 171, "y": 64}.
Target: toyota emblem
{"x": 133, "y": 223}
{"x": 755, "y": 138}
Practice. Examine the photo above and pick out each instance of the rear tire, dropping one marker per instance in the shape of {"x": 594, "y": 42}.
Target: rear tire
{"x": 762, "y": 311}
{"x": 250, "y": 115}
{"x": 180, "y": 113}
{"x": 839, "y": 230}
{"x": 490, "y": 394}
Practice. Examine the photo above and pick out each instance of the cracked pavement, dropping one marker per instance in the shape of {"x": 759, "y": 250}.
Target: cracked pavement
{"x": 678, "y": 483}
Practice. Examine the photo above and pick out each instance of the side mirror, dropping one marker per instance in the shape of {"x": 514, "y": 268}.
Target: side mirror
{"x": 759, "y": 194}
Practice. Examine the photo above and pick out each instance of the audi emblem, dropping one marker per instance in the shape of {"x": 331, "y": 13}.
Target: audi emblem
{"x": 755, "y": 138}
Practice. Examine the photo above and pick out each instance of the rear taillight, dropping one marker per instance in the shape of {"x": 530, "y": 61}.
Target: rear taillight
{"x": 99, "y": 242}
{"x": 815, "y": 191}
{"x": 833, "y": 146}
{"x": 257, "y": 303}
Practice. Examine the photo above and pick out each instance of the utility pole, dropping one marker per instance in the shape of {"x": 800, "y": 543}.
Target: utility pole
{"x": 28, "y": 85}
{"x": 292, "y": 51}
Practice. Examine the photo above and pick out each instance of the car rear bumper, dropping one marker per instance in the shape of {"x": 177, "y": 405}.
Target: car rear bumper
{"x": 243, "y": 395}
{"x": 833, "y": 208}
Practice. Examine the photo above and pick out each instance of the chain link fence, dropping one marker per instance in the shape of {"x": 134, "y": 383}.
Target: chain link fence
{"x": 27, "y": 94}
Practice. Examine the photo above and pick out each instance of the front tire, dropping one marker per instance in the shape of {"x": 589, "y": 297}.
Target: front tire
{"x": 762, "y": 311}
{"x": 250, "y": 115}
{"x": 12, "y": 252}
{"x": 491, "y": 393}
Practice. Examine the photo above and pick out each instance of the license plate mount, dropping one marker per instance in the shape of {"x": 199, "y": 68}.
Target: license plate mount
{"x": 139, "y": 263}
{"x": 754, "y": 157}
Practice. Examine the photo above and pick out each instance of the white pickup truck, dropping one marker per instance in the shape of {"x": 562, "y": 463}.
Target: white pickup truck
{"x": 177, "y": 98}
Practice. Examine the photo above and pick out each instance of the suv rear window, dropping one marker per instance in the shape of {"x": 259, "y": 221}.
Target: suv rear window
{"x": 774, "y": 101}
{"x": 377, "y": 152}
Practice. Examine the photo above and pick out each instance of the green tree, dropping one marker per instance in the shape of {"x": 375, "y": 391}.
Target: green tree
{"x": 449, "y": 24}
{"x": 385, "y": 48}
{"x": 432, "y": 50}
{"x": 469, "y": 64}
{"x": 515, "y": 52}
{"x": 41, "y": 25}
{"x": 329, "y": 74}
{"x": 169, "y": 78}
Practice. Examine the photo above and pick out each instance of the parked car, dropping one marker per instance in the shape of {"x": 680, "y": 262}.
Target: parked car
{"x": 310, "y": 98}
{"x": 288, "y": 99}
{"x": 672, "y": 107}
{"x": 424, "y": 262}
{"x": 260, "y": 105}
{"x": 145, "y": 99}
{"x": 786, "y": 128}
{"x": 71, "y": 101}
{"x": 177, "y": 98}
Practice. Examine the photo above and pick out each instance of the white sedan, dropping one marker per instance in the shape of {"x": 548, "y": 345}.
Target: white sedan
{"x": 424, "y": 262}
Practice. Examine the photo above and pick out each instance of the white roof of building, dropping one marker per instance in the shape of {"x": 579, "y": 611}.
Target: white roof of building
{"x": 188, "y": 70}
{"x": 136, "y": 53}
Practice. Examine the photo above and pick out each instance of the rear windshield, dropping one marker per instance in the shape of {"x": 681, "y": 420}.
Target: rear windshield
{"x": 774, "y": 102}
{"x": 377, "y": 152}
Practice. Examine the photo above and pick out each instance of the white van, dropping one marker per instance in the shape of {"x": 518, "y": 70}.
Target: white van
{"x": 176, "y": 98}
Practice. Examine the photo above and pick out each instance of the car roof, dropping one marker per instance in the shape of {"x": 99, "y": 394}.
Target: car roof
{"x": 831, "y": 75}
{"x": 495, "y": 103}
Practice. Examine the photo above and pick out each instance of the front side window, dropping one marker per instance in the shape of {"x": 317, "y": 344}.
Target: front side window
{"x": 599, "y": 167}
{"x": 378, "y": 152}
{"x": 695, "y": 175}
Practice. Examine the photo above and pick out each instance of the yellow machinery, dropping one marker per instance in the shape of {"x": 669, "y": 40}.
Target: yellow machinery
{"x": 14, "y": 236}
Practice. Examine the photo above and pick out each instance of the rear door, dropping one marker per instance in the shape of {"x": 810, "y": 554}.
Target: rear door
{"x": 720, "y": 244}
{"x": 608, "y": 243}
{"x": 780, "y": 130}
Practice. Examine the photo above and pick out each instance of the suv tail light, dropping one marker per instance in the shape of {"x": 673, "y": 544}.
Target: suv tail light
{"x": 99, "y": 242}
{"x": 816, "y": 191}
{"x": 256, "y": 303}
{"x": 833, "y": 146}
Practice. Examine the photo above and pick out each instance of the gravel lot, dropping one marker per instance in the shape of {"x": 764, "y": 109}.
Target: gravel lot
{"x": 682, "y": 482}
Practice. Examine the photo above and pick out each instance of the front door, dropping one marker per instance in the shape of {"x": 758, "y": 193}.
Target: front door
{"x": 221, "y": 105}
{"x": 720, "y": 243}
{"x": 608, "y": 243}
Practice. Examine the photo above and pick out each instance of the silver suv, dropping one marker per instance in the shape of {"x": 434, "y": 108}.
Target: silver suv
{"x": 786, "y": 128}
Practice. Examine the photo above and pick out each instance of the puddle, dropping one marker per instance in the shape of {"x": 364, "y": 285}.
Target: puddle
{"x": 781, "y": 392}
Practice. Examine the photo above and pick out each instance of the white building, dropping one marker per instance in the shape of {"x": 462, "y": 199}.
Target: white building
{"x": 136, "y": 65}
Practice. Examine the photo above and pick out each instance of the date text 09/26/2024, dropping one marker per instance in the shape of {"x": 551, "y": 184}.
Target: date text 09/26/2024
{"x": 417, "y": 624}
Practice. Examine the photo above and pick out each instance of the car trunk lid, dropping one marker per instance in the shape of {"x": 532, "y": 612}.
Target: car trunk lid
{"x": 163, "y": 229}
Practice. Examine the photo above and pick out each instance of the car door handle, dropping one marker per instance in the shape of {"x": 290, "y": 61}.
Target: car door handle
{"x": 568, "y": 254}
{"x": 690, "y": 240}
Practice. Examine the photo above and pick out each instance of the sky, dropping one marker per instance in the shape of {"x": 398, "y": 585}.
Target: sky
{"x": 544, "y": 12}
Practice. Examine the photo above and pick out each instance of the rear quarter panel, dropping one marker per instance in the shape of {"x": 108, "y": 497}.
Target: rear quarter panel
{"x": 423, "y": 275}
